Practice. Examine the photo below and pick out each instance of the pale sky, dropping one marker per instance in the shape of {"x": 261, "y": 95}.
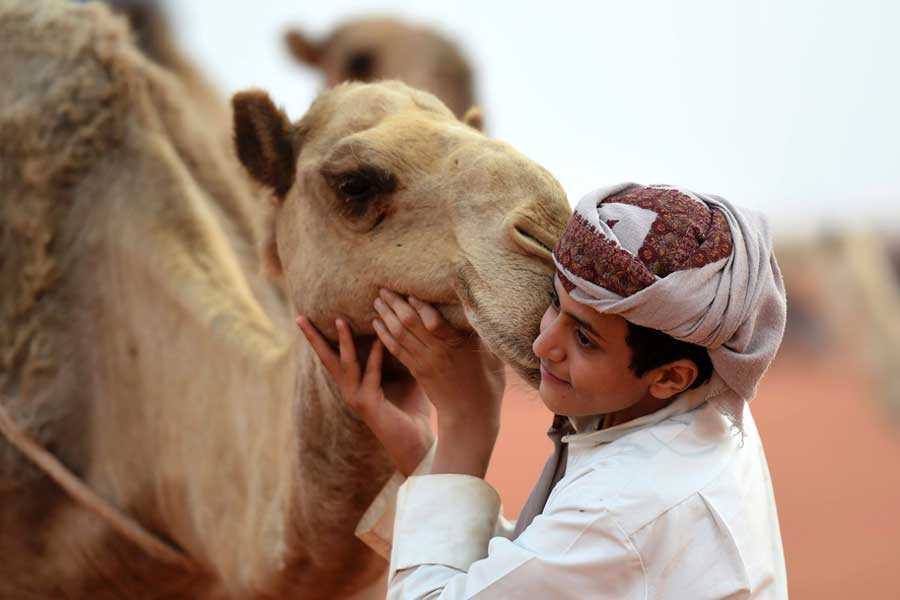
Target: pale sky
{"x": 792, "y": 107}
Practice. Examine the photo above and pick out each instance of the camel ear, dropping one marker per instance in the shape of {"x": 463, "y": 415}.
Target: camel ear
{"x": 474, "y": 118}
{"x": 303, "y": 49}
{"x": 263, "y": 138}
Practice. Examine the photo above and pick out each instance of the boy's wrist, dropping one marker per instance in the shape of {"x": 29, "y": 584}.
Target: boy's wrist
{"x": 464, "y": 448}
{"x": 468, "y": 427}
{"x": 408, "y": 458}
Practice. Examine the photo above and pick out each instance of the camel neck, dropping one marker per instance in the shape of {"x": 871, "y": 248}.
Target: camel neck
{"x": 340, "y": 468}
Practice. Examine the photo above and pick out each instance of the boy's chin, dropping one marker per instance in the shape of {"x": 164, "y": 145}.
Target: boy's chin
{"x": 568, "y": 406}
{"x": 553, "y": 400}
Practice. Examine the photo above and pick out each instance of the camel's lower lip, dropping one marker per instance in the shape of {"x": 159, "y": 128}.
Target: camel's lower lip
{"x": 455, "y": 314}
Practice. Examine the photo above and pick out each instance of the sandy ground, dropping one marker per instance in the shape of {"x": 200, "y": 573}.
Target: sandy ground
{"x": 835, "y": 463}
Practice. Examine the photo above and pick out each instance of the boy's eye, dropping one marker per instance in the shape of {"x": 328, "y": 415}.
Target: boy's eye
{"x": 554, "y": 298}
{"x": 582, "y": 339}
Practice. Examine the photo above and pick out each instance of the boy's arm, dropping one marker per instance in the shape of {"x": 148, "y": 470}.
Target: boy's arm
{"x": 444, "y": 548}
{"x": 376, "y": 527}
{"x": 462, "y": 380}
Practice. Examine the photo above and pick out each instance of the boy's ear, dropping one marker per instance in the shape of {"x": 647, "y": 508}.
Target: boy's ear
{"x": 673, "y": 378}
{"x": 474, "y": 118}
{"x": 304, "y": 49}
{"x": 264, "y": 141}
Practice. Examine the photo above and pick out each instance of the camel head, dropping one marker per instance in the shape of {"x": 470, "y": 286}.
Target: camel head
{"x": 373, "y": 49}
{"x": 379, "y": 185}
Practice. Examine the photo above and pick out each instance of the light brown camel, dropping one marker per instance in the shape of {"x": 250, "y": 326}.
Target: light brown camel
{"x": 376, "y": 48}
{"x": 872, "y": 277}
{"x": 368, "y": 49}
{"x": 152, "y": 32}
{"x": 209, "y": 453}
{"x": 848, "y": 285}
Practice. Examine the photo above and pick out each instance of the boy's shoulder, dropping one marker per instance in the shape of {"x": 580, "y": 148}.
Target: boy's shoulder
{"x": 648, "y": 472}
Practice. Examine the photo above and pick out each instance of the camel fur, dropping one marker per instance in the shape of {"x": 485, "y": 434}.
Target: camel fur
{"x": 141, "y": 345}
{"x": 375, "y": 48}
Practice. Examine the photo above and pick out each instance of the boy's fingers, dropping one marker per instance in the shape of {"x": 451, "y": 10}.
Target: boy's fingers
{"x": 432, "y": 320}
{"x": 320, "y": 346}
{"x": 348, "y": 350}
{"x": 372, "y": 377}
{"x": 397, "y": 329}
{"x": 405, "y": 313}
{"x": 390, "y": 342}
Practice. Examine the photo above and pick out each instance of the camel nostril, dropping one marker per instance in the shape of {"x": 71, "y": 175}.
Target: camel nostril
{"x": 531, "y": 244}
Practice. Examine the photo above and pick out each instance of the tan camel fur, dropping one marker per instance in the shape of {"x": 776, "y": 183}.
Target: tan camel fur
{"x": 376, "y": 48}
{"x": 152, "y": 33}
{"x": 844, "y": 303}
{"x": 140, "y": 345}
{"x": 368, "y": 49}
{"x": 874, "y": 302}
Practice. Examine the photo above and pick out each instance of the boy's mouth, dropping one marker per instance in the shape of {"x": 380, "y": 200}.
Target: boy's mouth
{"x": 547, "y": 375}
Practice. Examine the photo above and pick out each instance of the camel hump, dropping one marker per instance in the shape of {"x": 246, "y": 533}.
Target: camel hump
{"x": 64, "y": 81}
{"x": 89, "y": 128}
{"x": 59, "y": 113}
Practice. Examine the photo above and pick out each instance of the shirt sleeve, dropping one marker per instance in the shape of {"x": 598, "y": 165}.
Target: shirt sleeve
{"x": 444, "y": 548}
{"x": 376, "y": 527}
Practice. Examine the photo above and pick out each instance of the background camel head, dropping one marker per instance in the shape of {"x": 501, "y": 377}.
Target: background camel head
{"x": 381, "y": 48}
{"x": 379, "y": 185}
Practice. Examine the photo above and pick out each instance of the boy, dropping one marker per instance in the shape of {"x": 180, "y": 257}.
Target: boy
{"x": 668, "y": 308}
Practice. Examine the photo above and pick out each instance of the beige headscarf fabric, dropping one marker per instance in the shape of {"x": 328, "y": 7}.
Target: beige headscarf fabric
{"x": 691, "y": 265}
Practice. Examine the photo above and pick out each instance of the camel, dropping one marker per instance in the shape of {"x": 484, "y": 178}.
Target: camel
{"x": 867, "y": 265}
{"x": 844, "y": 302}
{"x": 152, "y": 32}
{"x": 374, "y": 48}
{"x": 367, "y": 49}
{"x": 165, "y": 432}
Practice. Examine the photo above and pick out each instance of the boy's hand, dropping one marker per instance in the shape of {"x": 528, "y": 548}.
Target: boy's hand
{"x": 401, "y": 424}
{"x": 461, "y": 377}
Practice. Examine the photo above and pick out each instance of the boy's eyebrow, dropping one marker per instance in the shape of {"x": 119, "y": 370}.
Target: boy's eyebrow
{"x": 584, "y": 324}
{"x": 581, "y": 322}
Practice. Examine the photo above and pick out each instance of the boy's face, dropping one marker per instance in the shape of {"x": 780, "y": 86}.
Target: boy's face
{"x": 585, "y": 361}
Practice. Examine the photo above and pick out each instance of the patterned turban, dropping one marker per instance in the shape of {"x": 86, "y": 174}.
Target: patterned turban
{"x": 693, "y": 266}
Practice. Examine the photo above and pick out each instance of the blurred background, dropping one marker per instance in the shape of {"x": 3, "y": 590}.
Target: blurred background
{"x": 790, "y": 108}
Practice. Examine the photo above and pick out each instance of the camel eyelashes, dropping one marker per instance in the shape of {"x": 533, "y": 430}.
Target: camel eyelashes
{"x": 362, "y": 184}
{"x": 363, "y": 193}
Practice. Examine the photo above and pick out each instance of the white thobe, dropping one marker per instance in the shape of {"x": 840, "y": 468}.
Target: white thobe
{"x": 674, "y": 505}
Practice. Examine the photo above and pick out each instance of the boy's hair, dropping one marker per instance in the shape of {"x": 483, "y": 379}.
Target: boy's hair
{"x": 651, "y": 348}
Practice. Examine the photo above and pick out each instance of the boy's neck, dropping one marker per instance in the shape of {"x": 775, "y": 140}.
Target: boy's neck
{"x": 647, "y": 406}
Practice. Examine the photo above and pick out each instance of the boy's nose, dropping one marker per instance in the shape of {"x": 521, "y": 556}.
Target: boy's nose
{"x": 546, "y": 345}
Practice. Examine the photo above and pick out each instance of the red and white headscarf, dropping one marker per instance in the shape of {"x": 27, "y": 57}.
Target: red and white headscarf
{"x": 693, "y": 266}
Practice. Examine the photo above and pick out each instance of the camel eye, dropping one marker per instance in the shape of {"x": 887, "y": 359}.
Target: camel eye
{"x": 362, "y": 183}
{"x": 355, "y": 186}
{"x": 363, "y": 193}
{"x": 360, "y": 66}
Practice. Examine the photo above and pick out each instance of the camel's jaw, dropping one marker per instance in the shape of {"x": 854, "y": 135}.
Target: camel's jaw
{"x": 529, "y": 375}
{"x": 455, "y": 314}
{"x": 513, "y": 348}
